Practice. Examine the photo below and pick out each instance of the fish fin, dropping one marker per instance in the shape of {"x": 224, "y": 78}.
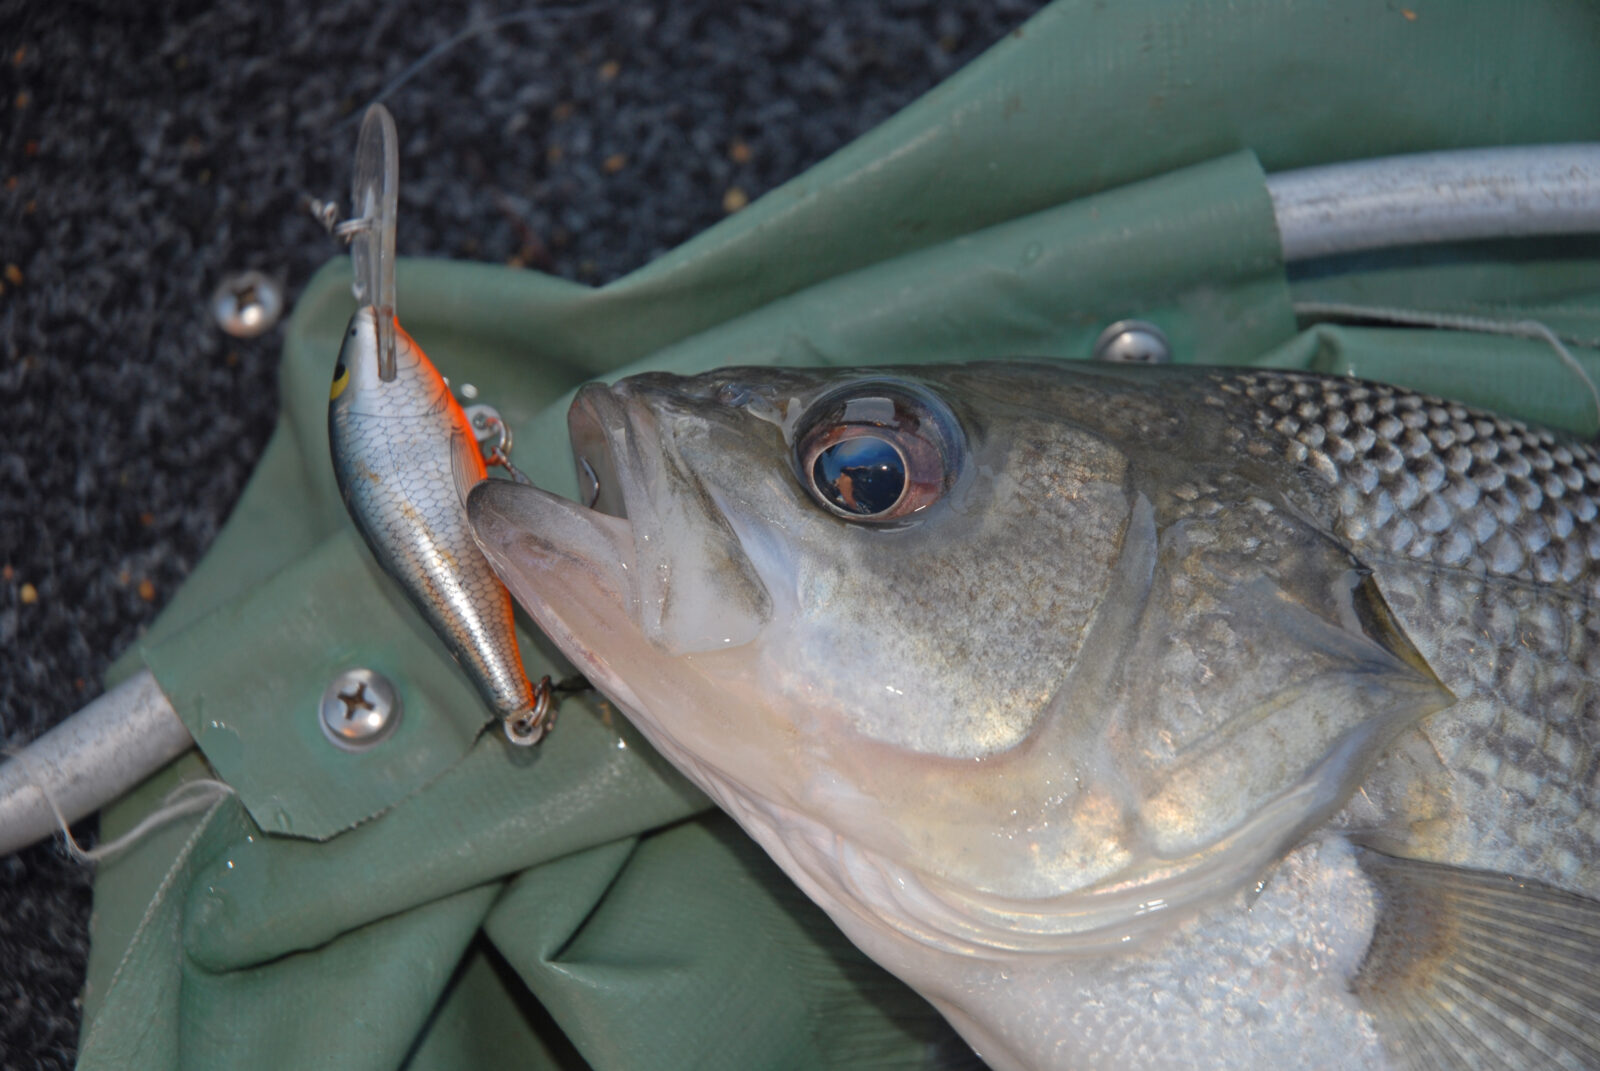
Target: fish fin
{"x": 1471, "y": 969}
{"x": 466, "y": 464}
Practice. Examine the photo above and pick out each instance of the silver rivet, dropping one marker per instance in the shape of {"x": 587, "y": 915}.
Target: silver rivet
{"x": 360, "y": 708}
{"x": 247, "y": 303}
{"x": 1133, "y": 342}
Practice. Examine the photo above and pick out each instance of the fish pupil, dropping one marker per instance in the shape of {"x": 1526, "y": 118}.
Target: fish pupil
{"x": 864, "y": 476}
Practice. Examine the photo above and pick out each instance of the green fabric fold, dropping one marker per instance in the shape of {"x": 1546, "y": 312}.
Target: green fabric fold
{"x": 628, "y": 986}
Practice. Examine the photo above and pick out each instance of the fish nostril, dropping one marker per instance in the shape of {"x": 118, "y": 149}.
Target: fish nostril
{"x": 733, "y": 395}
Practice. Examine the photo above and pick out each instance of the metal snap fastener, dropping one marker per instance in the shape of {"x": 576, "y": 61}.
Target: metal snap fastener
{"x": 360, "y": 708}
{"x": 247, "y": 303}
{"x": 1133, "y": 342}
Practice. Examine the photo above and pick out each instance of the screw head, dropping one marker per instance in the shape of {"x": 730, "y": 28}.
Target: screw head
{"x": 1133, "y": 342}
{"x": 247, "y": 303}
{"x": 360, "y": 708}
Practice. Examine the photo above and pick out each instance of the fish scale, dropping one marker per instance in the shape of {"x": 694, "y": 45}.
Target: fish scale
{"x": 1435, "y": 481}
{"x": 1482, "y": 535}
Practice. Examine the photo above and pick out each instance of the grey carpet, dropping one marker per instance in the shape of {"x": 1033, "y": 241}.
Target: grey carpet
{"x": 147, "y": 150}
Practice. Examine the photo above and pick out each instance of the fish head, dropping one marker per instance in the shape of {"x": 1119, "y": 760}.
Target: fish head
{"x": 789, "y": 529}
{"x": 358, "y": 387}
{"x": 992, "y": 658}
{"x": 807, "y": 557}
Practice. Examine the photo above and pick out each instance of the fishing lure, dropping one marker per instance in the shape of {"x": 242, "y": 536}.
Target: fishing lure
{"x": 405, "y": 455}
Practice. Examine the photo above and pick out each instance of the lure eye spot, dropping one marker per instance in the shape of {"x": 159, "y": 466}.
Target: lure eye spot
{"x": 341, "y": 380}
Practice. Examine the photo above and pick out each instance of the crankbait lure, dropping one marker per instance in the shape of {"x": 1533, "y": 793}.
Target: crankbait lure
{"x": 405, "y": 455}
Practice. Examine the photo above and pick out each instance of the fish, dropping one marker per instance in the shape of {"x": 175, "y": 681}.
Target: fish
{"x": 404, "y": 455}
{"x": 1137, "y": 717}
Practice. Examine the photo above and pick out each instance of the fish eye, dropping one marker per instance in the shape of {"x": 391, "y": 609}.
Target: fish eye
{"x": 864, "y": 476}
{"x": 876, "y": 452}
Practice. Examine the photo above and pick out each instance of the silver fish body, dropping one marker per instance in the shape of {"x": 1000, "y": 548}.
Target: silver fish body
{"x": 403, "y": 454}
{"x": 1135, "y": 717}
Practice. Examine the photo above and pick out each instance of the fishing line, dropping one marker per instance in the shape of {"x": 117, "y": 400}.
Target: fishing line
{"x": 327, "y": 212}
{"x": 186, "y": 799}
{"x": 1455, "y": 322}
{"x": 488, "y": 25}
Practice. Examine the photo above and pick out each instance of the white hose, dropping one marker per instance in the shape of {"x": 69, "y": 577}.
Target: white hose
{"x": 1437, "y": 197}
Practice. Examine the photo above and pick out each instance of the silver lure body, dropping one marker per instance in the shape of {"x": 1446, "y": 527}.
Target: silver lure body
{"x": 1204, "y": 719}
{"x": 404, "y": 455}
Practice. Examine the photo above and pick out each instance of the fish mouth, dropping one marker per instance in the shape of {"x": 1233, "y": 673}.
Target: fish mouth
{"x": 696, "y": 588}
{"x": 639, "y": 579}
{"x": 647, "y": 534}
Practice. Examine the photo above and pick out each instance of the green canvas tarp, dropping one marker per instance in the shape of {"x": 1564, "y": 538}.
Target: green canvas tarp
{"x": 447, "y": 901}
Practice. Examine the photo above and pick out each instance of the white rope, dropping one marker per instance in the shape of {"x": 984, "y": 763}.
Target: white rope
{"x": 1455, "y": 322}
{"x": 188, "y": 798}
